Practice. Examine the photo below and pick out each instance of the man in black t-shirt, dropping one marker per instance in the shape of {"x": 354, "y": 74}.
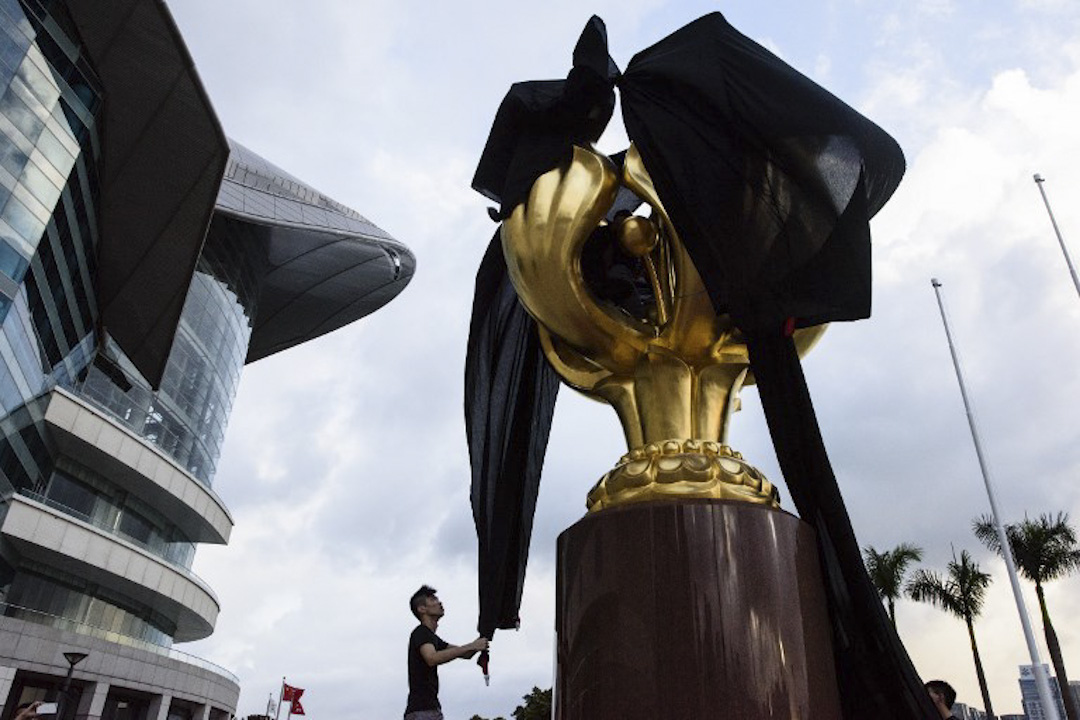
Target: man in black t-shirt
{"x": 426, "y": 652}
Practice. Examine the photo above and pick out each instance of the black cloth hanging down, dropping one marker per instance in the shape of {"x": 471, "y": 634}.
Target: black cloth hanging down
{"x": 510, "y": 393}
{"x": 510, "y": 389}
{"x": 771, "y": 182}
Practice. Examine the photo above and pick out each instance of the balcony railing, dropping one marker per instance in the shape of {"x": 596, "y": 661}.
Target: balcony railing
{"x": 102, "y": 527}
{"x": 79, "y": 394}
{"x": 61, "y": 623}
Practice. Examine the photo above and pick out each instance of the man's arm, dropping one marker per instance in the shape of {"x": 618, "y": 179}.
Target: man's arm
{"x": 435, "y": 657}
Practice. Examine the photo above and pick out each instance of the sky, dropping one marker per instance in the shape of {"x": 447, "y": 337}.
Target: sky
{"x": 345, "y": 465}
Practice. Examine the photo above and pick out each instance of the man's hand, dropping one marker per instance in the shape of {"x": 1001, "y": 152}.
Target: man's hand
{"x": 28, "y": 713}
{"x": 480, "y": 643}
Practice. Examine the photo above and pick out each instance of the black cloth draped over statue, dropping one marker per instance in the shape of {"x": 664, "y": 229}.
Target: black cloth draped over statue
{"x": 717, "y": 119}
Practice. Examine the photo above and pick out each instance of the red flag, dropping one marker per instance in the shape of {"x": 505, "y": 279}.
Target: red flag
{"x": 296, "y": 708}
{"x": 482, "y": 661}
{"x": 290, "y": 694}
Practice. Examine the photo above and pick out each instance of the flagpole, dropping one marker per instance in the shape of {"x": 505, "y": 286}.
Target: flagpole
{"x": 1039, "y": 180}
{"x": 269, "y": 704}
{"x": 1041, "y": 683}
{"x": 277, "y": 713}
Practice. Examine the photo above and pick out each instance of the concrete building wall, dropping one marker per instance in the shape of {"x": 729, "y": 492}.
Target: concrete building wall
{"x": 31, "y": 652}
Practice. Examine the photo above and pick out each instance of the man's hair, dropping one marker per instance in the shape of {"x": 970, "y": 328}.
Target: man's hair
{"x": 419, "y": 598}
{"x": 945, "y": 689}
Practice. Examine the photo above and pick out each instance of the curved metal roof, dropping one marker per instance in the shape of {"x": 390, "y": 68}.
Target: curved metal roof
{"x": 163, "y": 155}
{"x": 327, "y": 265}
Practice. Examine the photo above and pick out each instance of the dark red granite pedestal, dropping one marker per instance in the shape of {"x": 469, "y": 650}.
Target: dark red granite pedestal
{"x": 688, "y": 610}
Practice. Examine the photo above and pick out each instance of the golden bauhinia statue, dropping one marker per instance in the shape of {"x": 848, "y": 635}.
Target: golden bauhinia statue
{"x": 662, "y": 281}
{"x": 658, "y": 353}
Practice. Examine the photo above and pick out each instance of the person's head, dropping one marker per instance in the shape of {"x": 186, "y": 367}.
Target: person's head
{"x": 941, "y": 691}
{"x": 424, "y": 603}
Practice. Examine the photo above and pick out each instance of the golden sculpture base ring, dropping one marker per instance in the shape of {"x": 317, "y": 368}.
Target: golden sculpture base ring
{"x": 675, "y": 469}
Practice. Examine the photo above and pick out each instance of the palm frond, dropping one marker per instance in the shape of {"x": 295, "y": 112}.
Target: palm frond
{"x": 961, "y": 591}
{"x": 971, "y": 583}
{"x": 1044, "y": 549}
{"x": 986, "y": 532}
{"x": 887, "y": 569}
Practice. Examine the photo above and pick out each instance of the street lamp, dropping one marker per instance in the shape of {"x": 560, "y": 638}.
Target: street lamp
{"x": 73, "y": 658}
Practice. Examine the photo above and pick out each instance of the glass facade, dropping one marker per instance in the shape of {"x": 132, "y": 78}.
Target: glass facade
{"x": 38, "y": 593}
{"x": 49, "y": 112}
{"x": 187, "y": 417}
{"x": 47, "y": 120}
{"x": 50, "y": 109}
{"x": 48, "y": 191}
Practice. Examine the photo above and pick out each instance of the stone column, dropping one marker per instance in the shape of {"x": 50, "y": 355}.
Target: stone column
{"x": 692, "y": 609}
{"x": 7, "y": 680}
{"x": 159, "y": 707}
{"x": 92, "y": 701}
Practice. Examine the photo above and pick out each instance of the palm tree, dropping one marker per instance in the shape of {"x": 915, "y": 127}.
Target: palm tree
{"x": 961, "y": 593}
{"x": 887, "y": 571}
{"x": 1044, "y": 550}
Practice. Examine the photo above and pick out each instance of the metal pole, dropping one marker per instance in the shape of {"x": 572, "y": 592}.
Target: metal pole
{"x": 62, "y": 703}
{"x": 1041, "y": 682}
{"x": 73, "y": 658}
{"x": 1039, "y": 180}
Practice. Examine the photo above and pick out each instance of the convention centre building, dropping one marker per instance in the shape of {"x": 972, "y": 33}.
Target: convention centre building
{"x": 144, "y": 260}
